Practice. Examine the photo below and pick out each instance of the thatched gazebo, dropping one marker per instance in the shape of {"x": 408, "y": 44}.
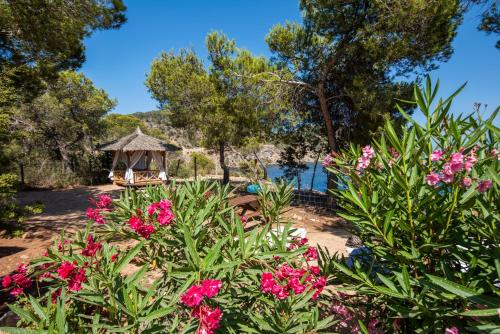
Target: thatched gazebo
{"x": 136, "y": 152}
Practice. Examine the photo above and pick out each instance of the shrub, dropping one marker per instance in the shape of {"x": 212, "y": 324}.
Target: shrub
{"x": 425, "y": 205}
{"x": 210, "y": 273}
{"x": 204, "y": 164}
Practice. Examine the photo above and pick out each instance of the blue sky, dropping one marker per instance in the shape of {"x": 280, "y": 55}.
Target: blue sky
{"x": 118, "y": 60}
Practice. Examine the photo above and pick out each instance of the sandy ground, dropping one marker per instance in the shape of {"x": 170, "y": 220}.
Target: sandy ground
{"x": 65, "y": 209}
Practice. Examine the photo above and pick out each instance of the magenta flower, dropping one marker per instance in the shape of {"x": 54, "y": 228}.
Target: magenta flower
{"x": 66, "y": 269}
{"x": 483, "y": 186}
{"x": 267, "y": 282}
{"x": 311, "y": 254}
{"x": 457, "y": 157}
{"x": 104, "y": 201}
{"x": 95, "y": 215}
{"x": 92, "y": 247}
{"x": 451, "y": 330}
{"x": 432, "y": 179}
{"x": 436, "y": 155}
{"x": 209, "y": 319}
{"x": 466, "y": 182}
{"x": 142, "y": 229}
{"x": 193, "y": 296}
{"x": 210, "y": 287}
{"x": 75, "y": 283}
{"x": 6, "y": 281}
{"x": 165, "y": 217}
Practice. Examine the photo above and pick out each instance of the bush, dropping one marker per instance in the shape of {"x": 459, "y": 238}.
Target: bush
{"x": 425, "y": 205}
{"x": 210, "y": 273}
{"x": 11, "y": 214}
{"x": 204, "y": 164}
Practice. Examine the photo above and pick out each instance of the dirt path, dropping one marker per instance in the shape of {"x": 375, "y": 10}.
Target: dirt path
{"x": 65, "y": 209}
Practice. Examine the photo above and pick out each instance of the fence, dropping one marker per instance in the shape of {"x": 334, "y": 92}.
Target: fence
{"x": 314, "y": 198}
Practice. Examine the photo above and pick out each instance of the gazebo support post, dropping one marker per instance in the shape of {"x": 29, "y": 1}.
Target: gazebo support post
{"x": 164, "y": 160}
{"x": 128, "y": 164}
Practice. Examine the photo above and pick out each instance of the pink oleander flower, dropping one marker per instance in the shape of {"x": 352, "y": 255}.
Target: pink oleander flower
{"x": 54, "y": 295}
{"x": 114, "y": 257}
{"x": 447, "y": 173}
{"x": 483, "y": 186}
{"x": 16, "y": 292}
{"x": 470, "y": 160}
{"x": 372, "y": 326}
{"x": 466, "y": 182}
{"x": 432, "y": 179}
{"x": 6, "y": 281}
{"x": 451, "y": 330}
{"x": 22, "y": 268}
{"x": 104, "y": 201}
{"x": 267, "y": 282}
{"x": 165, "y": 204}
{"x": 327, "y": 161}
{"x": 95, "y": 215}
{"x": 17, "y": 281}
{"x": 210, "y": 287}
{"x": 135, "y": 222}
{"x": 92, "y": 247}
{"x": 75, "y": 282}
{"x": 311, "y": 254}
{"x": 142, "y": 229}
{"x": 21, "y": 280}
{"x": 457, "y": 157}
{"x": 314, "y": 270}
{"x": 495, "y": 153}
{"x": 209, "y": 319}
{"x": 368, "y": 152}
{"x": 436, "y": 155}
{"x": 165, "y": 217}
{"x": 193, "y": 296}
{"x": 342, "y": 311}
{"x": 279, "y": 291}
{"x": 364, "y": 160}
{"x": 295, "y": 284}
{"x": 66, "y": 269}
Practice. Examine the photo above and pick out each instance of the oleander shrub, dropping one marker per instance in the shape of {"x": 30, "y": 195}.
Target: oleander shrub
{"x": 196, "y": 269}
{"x": 424, "y": 201}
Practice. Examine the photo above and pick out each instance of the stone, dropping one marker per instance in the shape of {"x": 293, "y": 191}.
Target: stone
{"x": 27, "y": 235}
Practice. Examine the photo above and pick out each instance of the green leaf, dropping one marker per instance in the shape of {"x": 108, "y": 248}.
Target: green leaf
{"x": 14, "y": 330}
{"x": 461, "y": 291}
{"x": 123, "y": 261}
{"x": 39, "y": 310}
{"x": 481, "y": 313}
{"x": 25, "y": 315}
{"x": 157, "y": 314}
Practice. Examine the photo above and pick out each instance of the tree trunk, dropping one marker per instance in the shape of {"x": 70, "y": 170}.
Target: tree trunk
{"x": 222, "y": 161}
{"x": 264, "y": 169}
{"x": 314, "y": 171}
{"x": 326, "y": 116}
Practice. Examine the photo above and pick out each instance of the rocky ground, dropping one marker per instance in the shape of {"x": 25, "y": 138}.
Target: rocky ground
{"x": 65, "y": 210}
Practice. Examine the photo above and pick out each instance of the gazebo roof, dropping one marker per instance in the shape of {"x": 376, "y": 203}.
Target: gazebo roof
{"x": 138, "y": 141}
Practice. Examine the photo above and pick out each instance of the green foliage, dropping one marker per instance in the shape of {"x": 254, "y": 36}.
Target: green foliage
{"x": 432, "y": 249}
{"x": 206, "y": 240}
{"x": 62, "y": 123}
{"x": 346, "y": 57}
{"x": 273, "y": 200}
{"x": 204, "y": 163}
{"x": 118, "y": 125}
{"x": 223, "y": 103}
{"x": 42, "y": 38}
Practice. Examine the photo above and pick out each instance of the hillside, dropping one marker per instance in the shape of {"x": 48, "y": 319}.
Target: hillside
{"x": 191, "y": 142}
